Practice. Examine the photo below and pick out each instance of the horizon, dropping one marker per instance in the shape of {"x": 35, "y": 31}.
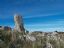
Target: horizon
{"x": 38, "y": 15}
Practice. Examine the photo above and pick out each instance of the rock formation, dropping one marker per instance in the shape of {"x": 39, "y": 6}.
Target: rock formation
{"x": 19, "y": 26}
{"x": 6, "y": 28}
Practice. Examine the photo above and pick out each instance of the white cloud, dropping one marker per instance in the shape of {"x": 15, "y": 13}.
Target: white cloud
{"x": 43, "y": 15}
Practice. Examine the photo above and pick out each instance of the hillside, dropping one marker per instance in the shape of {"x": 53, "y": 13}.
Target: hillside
{"x": 31, "y": 40}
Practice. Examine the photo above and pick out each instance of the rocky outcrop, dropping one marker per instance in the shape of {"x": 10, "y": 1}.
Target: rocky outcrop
{"x": 19, "y": 26}
{"x": 6, "y": 28}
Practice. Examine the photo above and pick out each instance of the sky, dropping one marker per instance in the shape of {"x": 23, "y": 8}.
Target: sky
{"x": 38, "y": 15}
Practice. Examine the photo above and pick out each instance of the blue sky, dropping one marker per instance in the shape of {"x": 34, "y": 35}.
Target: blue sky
{"x": 40, "y": 15}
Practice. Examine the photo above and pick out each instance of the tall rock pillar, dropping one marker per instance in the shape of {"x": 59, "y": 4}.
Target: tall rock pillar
{"x": 19, "y": 26}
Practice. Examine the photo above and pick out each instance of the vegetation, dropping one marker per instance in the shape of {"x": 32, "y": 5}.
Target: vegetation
{"x": 21, "y": 42}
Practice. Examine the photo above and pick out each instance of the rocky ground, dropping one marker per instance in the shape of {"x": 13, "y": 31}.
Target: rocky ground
{"x": 31, "y": 40}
